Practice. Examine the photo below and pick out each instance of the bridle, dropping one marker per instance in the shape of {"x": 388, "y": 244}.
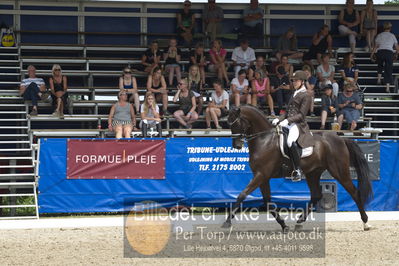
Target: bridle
{"x": 245, "y": 136}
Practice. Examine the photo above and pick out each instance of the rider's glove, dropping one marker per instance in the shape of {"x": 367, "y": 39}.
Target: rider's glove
{"x": 275, "y": 121}
{"x": 284, "y": 123}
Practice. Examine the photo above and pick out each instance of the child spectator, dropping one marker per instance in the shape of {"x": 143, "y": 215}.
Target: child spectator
{"x": 287, "y": 45}
{"x": 156, "y": 84}
{"x": 172, "y": 56}
{"x": 325, "y": 74}
{"x": 186, "y": 23}
{"x": 122, "y": 118}
{"x": 128, "y": 83}
{"x": 261, "y": 90}
{"x": 218, "y": 107}
{"x": 328, "y": 105}
{"x": 218, "y": 56}
{"x": 186, "y": 114}
{"x": 350, "y": 105}
{"x": 59, "y": 90}
{"x": 239, "y": 89}
{"x": 151, "y": 58}
{"x": 32, "y": 89}
{"x": 150, "y": 117}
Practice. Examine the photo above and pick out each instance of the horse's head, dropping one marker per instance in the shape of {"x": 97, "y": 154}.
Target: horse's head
{"x": 238, "y": 127}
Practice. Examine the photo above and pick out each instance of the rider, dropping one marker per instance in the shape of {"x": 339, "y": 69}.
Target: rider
{"x": 295, "y": 121}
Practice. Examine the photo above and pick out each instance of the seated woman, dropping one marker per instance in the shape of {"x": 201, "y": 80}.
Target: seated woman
{"x": 260, "y": 89}
{"x": 186, "y": 23}
{"x": 368, "y": 24}
{"x": 128, "y": 83}
{"x": 259, "y": 64}
{"x": 217, "y": 64}
{"x": 239, "y": 89}
{"x": 172, "y": 56}
{"x": 195, "y": 85}
{"x": 156, "y": 84}
{"x": 59, "y": 90}
{"x": 349, "y": 71}
{"x": 151, "y": 58}
{"x": 310, "y": 84}
{"x": 349, "y": 19}
{"x": 289, "y": 69}
{"x": 325, "y": 74}
{"x": 321, "y": 42}
{"x": 197, "y": 57}
{"x": 150, "y": 118}
{"x": 122, "y": 118}
{"x": 287, "y": 45}
{"x": 328, "y": 105}
{"x": 350, "y": 105}
{"x": 186, "y": 114}
{"x": 218, "y": 107}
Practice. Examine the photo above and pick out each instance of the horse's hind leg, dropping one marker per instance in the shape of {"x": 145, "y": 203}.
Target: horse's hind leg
{"x": 253, "y": 184}
{"x": 265, "y": 189}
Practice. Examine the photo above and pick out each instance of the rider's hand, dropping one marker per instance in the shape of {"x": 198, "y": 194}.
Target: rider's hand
{"x": 284, "y": 123}
{"x": 275, "y": 121}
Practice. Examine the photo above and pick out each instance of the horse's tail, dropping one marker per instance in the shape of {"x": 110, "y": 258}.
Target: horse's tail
{"x": 358, "y": 161}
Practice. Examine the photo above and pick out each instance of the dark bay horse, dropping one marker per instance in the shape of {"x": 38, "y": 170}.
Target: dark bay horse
{"x": 330, "y": 153}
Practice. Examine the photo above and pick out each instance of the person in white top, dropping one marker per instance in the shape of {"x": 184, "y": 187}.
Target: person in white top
{"x": 32, "y": 88}
{"x": 386, "y": 45}
{"x": 218, "y": 107}
{"x": 239, "y": 89}
{"x": 243, "y": 57}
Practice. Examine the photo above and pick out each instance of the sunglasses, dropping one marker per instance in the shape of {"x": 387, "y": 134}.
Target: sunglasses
{"x": 349, "y": 91}
{"x": 57, "y": 69}
{"x": 127, "y": 72}
{"x": 187, "y": 5}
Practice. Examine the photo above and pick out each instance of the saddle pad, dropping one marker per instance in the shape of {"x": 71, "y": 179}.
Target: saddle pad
{"x": 283, "y": 148}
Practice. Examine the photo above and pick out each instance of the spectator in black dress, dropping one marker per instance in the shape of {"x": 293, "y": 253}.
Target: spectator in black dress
{"x": 321, "y": 42}
{"x": 58, "y": 86}
{"x": 281, "y": 89}
{"x": 329, "y": 105}
{"x": 186, "y": 23}
{"x": 186, "y": 114}
{"x": 197, "y": 57}
{"x": 151, "y": 58}
{"x": 172, "y": 56}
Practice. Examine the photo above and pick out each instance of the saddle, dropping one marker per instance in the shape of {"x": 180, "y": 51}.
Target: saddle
{"x": 284, "y": 146}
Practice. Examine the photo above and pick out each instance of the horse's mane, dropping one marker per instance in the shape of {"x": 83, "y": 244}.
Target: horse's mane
{"x": 257, "y": 111}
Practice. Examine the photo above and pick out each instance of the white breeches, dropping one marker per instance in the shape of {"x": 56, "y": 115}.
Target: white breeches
{"x": 293, "y": 134}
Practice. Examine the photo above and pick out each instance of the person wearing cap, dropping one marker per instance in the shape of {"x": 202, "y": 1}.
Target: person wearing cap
{"x": 295, "y": 121}
{"x": 328, "y": 105}
{"x": 386, "y": 45}
{"x": 280, "y": 88}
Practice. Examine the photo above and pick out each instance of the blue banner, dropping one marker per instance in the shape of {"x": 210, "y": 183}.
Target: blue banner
{"x": 199, "y": 172}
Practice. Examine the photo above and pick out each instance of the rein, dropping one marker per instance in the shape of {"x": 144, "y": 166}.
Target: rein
{"x": 246, "y": 136}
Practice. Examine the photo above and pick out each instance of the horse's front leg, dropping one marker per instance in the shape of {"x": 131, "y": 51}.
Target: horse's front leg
{"x": 265, "y": 189}
{"x": 253, "y": 184}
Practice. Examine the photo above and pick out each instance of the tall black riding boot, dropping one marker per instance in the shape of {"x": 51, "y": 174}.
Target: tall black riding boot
{"x": 297, "y": 174}
{"x": 144, "y": 129}
{"x": 159, "y": 129}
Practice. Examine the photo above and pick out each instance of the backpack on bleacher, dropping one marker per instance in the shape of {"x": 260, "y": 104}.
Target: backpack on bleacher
{"x": 7, "y": 36}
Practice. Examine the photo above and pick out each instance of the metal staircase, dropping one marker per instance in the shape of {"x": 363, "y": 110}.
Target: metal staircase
{"x": 18, "y": 193}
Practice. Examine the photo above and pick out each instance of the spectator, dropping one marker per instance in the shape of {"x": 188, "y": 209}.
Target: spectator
{"x": 151, "y": 58}
{"x": 32, "y": 89}
{"x": 197, "y": 57}
{"x": 310, "y": 83}
{"x": 321, "y": 42}
{"x": 186, "y": 114}
{"x": 156, "y": 84}
{"x": 122, "y": 118}
{"x": 259, "y": 64}
{"x": 239, "y": 89}
{"x": 261, "y": 90}
{"x": 128, "y": 83}
{"x": 186, "y": 23}
{"x": 218, "y": 57}
{"x": 281, "y": 89}
{"x": 349, "y": 19}
{"x": 253, "y": 20}
{"x": 172, "y": 56}
{"x": 59, "y": 90}
{"x": 350, "y": 105}
{"x": 328, "y": 105}
{"x": 289, "y": 69}
{"x": 287, "y": 45}
{"x": 325, "y": 74}
{"x": 368, "y": 24}
{"x": 386, "y": 45}
{"x": 218, "y": 107}
{"x": 195, "y": 86}
{"x": 150, "y": 117}
{"x": 349, "y": 71}
{"x": 212, "y": 18}
{"x": 243, "y": 57}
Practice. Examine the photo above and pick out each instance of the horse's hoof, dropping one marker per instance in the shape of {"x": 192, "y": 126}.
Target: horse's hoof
{"x": 298, "y": 227}
{"x": 286, "y": 229}
{"x": 226, "y": 225}
{"x": 366, "y": 227}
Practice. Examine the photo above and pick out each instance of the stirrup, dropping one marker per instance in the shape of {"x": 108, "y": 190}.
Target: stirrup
{"x": 296, "y": 175}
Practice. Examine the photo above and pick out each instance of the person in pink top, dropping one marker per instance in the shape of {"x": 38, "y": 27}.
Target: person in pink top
{"x": 218, "y": 57}
{"x": 261, "y": 90}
